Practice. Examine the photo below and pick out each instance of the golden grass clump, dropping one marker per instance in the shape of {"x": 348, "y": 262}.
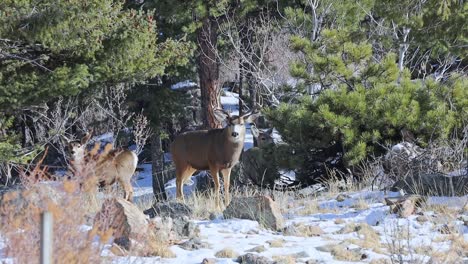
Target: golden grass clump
{"x": 288, "y": 259}
{"x": 340, "y": 252}
{"x": 227, "y": 253}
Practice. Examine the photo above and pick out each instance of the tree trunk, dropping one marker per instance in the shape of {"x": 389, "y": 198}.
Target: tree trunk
{"x": 157, "y": 165}
{"x": 208, "y": 71}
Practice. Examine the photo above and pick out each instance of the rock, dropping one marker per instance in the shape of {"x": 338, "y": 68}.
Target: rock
{"x": 184, "y": 227}
{"x": 259, "y": 208}
{"x": 257, "y": 249}
{"x": 123, "y": 219}
{"x": 433, "y": 184}
{"x": 209, "y": 261}
{"x": 301, "y": 254}
{"x": 172, "y": 209}
{"x": 194, "y": 244}
{"x": 406, "y": 205}
{"x": 175, "y": 229}
{"x": 342, "y": 197}
{"x": 302, "y": 230}
{"x": 250, "y": 258}
{"x": 421, "y": 218}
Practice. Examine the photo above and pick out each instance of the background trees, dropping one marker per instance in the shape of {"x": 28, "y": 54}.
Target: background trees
{"x": 342, "y": 79}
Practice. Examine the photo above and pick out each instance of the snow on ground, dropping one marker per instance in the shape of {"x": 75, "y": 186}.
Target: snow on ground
{"x": 333, "y": 216}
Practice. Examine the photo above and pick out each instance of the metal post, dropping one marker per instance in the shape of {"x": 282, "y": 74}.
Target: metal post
{"x": 46, "y": 238}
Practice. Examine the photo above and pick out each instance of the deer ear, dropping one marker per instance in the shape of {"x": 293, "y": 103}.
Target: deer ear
{"x": 86, "y": 138}
{"x": 221, "y": 115}
{"x": 250, "y": 118}
{"x": 269, "y": 131}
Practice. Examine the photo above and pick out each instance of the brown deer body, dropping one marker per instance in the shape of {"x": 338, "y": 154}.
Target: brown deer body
{"x": 215, "y": 150}
{"x": 116, "y": 165}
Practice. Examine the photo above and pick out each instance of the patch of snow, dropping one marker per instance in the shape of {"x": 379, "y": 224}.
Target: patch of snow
{"x": 183, "y": 85}
{"x": 104, "y": 138}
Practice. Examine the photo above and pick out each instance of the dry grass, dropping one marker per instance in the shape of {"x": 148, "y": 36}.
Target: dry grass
{"x": 203, "y": 204}
{"x": 258, "y": 249}
{"x": 339, "y": 221}
{"x": 367, "y": 236}
{"x": 340, "y": 252}
{"x": 361, "y": 204}
{"x": 227, "y": 253}
{"x": 284, "y": 259}
{"x": 380, "y": 261}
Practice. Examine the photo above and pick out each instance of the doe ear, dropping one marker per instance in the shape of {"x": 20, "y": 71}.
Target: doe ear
{"x": 269, "y": 131}
{"x": 255, "y": 131}
{"x": 87, "y": 137}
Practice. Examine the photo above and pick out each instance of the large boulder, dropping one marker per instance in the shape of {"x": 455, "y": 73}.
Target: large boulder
{"x": 176, "y": 216}
{"x": 259, "y": 208}
{"x": 122, "y": 220}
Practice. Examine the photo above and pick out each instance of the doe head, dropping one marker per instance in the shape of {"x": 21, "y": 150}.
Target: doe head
{"x": 77, "y": 148}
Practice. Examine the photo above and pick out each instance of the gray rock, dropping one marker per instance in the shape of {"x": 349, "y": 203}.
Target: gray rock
{"x": 171, "y": 209}
{"x": 184, "y": 227}
{"x": 194, "y": 244}
{"x": 175, "y": 229}
{"x": 209, "y": 261}
{"x": 250, "y": 258}
{"x": 259, "y": 208}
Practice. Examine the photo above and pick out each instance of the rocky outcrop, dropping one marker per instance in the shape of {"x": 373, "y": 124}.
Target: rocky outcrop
{"x": 259, "y": 208}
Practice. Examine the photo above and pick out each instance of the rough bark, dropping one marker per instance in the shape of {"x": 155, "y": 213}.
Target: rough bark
{"x": 208, "y": 71}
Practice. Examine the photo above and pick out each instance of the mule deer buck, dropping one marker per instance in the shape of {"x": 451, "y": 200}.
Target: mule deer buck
{"x": 215, "y": 150}
{"x": 111, "y": 166}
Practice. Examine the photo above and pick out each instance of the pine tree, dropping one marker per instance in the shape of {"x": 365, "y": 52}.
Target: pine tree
{"x": 52, "y": 48}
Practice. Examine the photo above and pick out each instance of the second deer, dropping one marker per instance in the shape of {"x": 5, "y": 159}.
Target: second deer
{"x": 116, "y": 165}
{"x": 215, "y": 150}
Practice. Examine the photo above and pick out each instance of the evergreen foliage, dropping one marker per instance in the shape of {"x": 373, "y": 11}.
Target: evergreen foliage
{"x": 363, "y": 101}
{"x": 64, "y": 47}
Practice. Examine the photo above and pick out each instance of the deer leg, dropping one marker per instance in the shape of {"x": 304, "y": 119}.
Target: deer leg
{"x": 226, "y": 177}
{"x": 181, "y": 177}
{"x": 215, "y": 175}
{"x": 128, "y": 189}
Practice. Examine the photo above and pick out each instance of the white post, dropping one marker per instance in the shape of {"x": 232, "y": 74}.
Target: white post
{"x": 46, "y": 237}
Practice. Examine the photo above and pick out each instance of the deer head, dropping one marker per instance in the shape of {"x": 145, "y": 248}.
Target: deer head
{"x": 77, "y": 148}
